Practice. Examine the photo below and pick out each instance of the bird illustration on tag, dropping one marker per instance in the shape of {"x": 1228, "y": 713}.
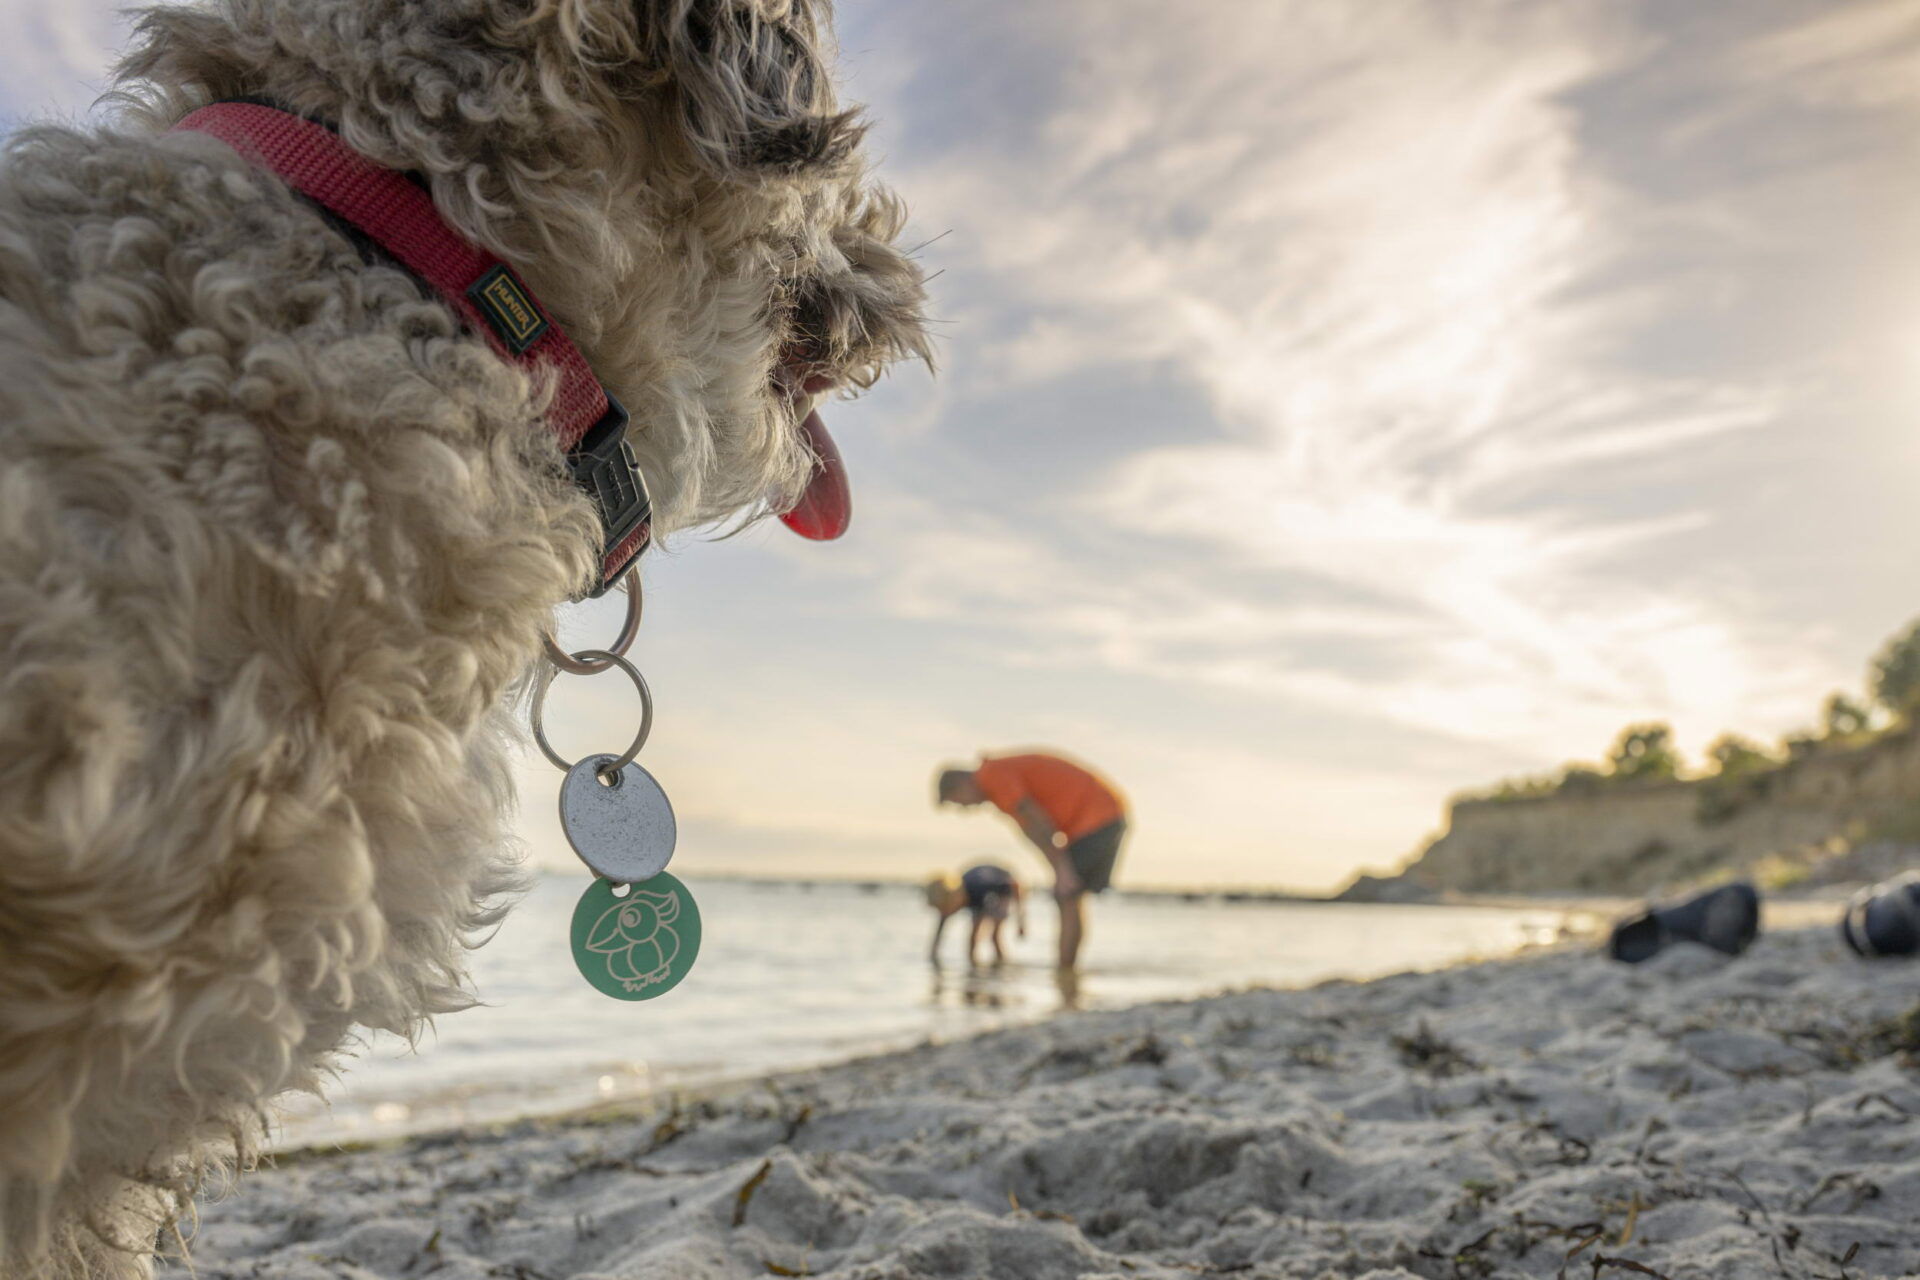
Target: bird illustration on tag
{"x": 639, "y": 944}
{"x": 637, "y": 938}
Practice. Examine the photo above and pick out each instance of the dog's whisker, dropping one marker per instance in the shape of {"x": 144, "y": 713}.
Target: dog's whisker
{"x": 915, "y": 251}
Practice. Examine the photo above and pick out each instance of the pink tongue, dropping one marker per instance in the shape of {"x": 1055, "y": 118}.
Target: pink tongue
{"x": 826, "y": 508}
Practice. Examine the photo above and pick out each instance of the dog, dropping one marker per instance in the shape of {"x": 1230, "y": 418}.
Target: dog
{"x": 280, "y": 536}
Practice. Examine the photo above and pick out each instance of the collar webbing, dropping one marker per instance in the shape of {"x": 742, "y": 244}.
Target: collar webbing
{"x": 396, "y": 215}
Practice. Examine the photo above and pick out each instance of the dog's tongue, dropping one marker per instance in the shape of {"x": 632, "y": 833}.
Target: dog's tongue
{"x": 825, "y": 509}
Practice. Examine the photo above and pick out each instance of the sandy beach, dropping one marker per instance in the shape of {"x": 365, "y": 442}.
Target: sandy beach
{"x": 1550, "y": 1115}
{"x": 543, "y": 1042}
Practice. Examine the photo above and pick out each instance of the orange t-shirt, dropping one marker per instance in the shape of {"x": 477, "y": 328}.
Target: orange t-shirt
{"x": 1077, "y": 801}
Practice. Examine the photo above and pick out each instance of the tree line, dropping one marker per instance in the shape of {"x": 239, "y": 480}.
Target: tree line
{"x": 1645, "y": 752}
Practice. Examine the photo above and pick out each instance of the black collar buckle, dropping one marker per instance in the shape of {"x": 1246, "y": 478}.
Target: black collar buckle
{"x": 603, "y": 465}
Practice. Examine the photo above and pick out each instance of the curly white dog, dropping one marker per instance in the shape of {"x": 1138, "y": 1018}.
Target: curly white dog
{"x": 279, "y": 535}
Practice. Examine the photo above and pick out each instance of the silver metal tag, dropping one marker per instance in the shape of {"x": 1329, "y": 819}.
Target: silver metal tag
{"x": 624, "y": 831}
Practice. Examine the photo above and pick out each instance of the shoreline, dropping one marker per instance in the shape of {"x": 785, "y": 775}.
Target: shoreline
{"x": 460, "y": 1104}
{"x": 1581, "y": 922}
{"x": 1516, "y": 1117}
{"x": 714, "y": 1089}
{"x": 1800, "y": 905}
{"x": 1230, "y": 893}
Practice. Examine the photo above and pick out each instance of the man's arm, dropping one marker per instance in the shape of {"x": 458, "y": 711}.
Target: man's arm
{"x": 939, "y": 927}
{"x": 1039, "y": 828}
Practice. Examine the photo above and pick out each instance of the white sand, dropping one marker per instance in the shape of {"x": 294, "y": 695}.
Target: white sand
{"x": 1691, "y": 1118}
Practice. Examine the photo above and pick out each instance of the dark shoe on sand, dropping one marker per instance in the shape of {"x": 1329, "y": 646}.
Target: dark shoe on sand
{"x": 1885, "y": 920}
{"x": 1726, "y": 919}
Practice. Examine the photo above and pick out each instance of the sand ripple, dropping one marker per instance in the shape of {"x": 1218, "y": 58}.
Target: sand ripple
{"x": 1695, "y": 1119}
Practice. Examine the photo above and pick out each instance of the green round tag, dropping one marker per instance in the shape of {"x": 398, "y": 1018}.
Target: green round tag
{"x": 639, "y": 943}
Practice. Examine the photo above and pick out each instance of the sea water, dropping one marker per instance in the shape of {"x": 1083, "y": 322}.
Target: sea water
{"x": 799, "y": 974}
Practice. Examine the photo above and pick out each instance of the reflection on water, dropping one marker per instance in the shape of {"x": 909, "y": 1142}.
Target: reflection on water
{"x": 983, "y": 987}
{"x": 797, "y": 975}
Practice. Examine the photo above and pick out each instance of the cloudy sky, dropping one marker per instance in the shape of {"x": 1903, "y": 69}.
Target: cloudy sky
{"x": 1341, "y": 405}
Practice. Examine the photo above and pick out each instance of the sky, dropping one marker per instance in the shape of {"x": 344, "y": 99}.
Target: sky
{"x": 1340, "y": 406}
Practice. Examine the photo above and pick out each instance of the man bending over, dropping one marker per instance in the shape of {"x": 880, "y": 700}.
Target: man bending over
{"x": 1075, "y": 818}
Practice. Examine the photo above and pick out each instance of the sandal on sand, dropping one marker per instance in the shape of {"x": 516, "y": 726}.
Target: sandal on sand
{"x": 1726, "y": 919}
{"x": 1884, "y": 920}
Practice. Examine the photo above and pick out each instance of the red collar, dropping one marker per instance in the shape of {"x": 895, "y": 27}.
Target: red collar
{"x": 398, "y": 217}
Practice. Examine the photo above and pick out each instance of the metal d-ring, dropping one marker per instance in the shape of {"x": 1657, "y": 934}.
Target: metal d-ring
{"x": 606, "y": 660}
{"x": 570, "y": 662}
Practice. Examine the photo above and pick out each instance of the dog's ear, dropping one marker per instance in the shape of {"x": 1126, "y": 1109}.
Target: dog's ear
{"x": 751, "y": 82}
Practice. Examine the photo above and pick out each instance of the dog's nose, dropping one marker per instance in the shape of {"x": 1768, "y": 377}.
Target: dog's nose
{"x": 826, "y": 508}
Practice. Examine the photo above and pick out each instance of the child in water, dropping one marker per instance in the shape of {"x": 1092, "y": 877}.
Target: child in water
{"x": 986, "y": 892}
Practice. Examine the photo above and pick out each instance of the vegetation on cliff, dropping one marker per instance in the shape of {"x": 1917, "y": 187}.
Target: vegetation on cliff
{"x": 1839, "y": 800}
{"x": 1737, "y": 769}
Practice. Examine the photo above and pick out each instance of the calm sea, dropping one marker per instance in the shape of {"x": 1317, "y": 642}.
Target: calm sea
{"x": 794, "y": 975}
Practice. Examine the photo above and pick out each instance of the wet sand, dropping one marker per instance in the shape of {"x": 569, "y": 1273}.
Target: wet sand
{"x": 1550, "y": 1115}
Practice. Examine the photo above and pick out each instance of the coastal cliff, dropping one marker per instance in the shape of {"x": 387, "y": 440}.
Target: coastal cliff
{"x": 1622, "y": 837}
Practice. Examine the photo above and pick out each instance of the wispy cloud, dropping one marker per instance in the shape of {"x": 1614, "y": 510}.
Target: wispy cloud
{"x": 1391, "y": 250}
{"x": 1861, "y": 53}
{"x": 1343, "y": 403}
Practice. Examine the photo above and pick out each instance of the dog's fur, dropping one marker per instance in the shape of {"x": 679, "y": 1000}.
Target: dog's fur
{"x": 278, "y": 540}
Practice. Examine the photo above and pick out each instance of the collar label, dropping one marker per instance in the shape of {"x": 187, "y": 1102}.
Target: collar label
{"x": 508, "y": 307}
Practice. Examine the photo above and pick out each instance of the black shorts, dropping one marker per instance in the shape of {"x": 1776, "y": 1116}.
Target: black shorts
{"x": 1094, "y": 854}
{"x": 989, "y": 891}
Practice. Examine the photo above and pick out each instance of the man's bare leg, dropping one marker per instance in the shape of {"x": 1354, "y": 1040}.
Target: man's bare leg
{"x": 1073, "y": 927}
{"x": 999, "y": 951}
{"x": 973, "y": 941}
{"x": 1067, "y": 983}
